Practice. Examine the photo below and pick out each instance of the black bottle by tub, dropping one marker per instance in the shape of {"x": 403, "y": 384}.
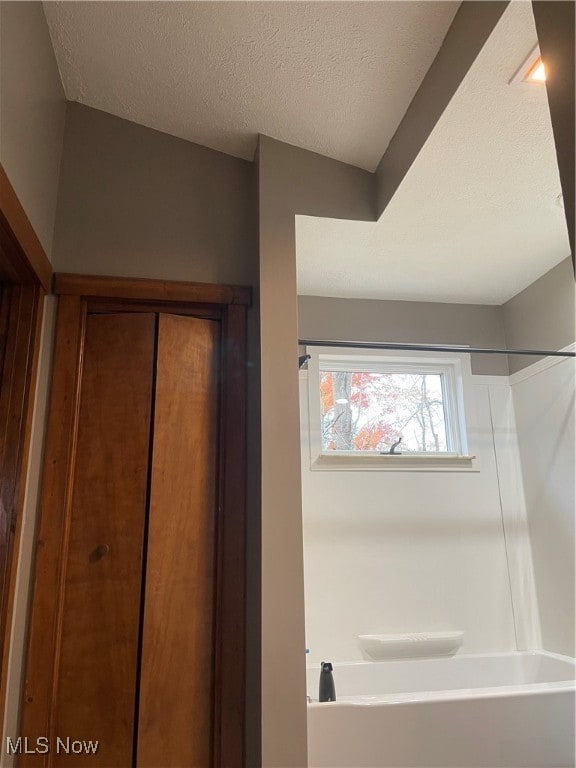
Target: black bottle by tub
{"x": 327, "y": 690}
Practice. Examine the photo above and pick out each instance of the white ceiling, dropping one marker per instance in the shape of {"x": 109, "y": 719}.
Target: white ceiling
{"x": 332, "y": 77}
{"x": 476, "y": 219}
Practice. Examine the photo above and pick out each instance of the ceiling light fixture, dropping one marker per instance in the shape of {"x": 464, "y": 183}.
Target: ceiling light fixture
{"x": 537, "y": 73}
{"x": 531, "y": 70}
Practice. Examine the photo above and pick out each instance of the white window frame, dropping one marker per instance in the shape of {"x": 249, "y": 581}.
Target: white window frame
{"x": 456, "y": 376}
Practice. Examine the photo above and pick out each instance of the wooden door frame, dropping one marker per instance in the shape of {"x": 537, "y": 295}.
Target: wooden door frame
{"x": 77, "y": 296}
{"x": 25, "y": 276}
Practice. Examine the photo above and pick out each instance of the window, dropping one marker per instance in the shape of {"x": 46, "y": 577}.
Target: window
{"x": 386, "y": 407}
{"x": 367, "y": 411}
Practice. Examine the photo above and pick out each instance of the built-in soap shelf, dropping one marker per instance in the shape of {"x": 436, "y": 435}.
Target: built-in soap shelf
{"x": 410, "y": 645}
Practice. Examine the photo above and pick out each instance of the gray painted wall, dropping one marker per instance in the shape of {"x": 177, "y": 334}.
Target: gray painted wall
{"x": 291, "y": 181}
{"x": 555, "y": 27}
{"x": 32, "y": 108}
{"x": 135, "y": 202}
{"x": 321, "y": 317}
{"x": 542, "y": 316}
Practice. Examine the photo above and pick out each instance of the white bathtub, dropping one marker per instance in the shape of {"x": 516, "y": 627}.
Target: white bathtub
{"x": 482, "y": 711}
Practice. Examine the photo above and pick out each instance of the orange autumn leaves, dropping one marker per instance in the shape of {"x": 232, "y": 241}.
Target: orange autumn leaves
{"x": 366, "y": 394}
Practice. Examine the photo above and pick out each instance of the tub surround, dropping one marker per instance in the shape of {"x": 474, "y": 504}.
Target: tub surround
{"x": 494, "y": 559}
{"x": 543, "y": 398}
{"x": 401, "y": 552}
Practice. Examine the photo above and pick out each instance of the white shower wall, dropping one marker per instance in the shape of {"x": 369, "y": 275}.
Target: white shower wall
{"x": 390, "y": 552}
{"x": 544, "y": 406}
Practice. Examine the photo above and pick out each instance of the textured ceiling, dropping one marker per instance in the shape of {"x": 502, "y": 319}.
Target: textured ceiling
{"x": 476, "y": 218}
{"x": 332, "y": 77}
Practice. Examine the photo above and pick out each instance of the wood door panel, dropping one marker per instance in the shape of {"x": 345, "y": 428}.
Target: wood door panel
{"x": 97, "y": 670}
{"x": 176, "y": 690}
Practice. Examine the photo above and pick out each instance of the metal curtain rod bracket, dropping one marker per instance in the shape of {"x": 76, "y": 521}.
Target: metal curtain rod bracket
{"x": 433, "y": 348}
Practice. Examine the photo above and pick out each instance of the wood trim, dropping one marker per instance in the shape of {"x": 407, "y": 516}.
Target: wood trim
{"x": 52, "y": 534}
{"x": 23, "y": 257}
{"x": 19, "y": 379}
{"x": 230, "y": 650}
{"x": 150, "y": 290}
{"x": 106, "y": 306}
{"x": 26, "y": 274}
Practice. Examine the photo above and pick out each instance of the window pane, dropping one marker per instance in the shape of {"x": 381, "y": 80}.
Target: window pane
{"x": 364, "y": 411}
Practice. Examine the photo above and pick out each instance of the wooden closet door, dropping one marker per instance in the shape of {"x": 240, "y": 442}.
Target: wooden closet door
{"x": 176, "y": 687}
{"x": 97, "y": 671}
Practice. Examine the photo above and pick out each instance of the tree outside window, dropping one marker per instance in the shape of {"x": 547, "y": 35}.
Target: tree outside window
{"x": 366, "y": 411}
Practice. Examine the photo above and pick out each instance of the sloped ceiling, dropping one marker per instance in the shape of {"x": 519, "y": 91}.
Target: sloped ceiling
{"x": 477, "y": 217}
{"x": 331, "y": 77}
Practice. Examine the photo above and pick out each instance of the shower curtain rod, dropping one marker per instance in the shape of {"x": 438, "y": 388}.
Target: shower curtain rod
{"x": 433, "y": 348}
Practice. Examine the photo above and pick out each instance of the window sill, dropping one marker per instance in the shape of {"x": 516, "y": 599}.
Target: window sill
{"x": 395, "y": 462}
